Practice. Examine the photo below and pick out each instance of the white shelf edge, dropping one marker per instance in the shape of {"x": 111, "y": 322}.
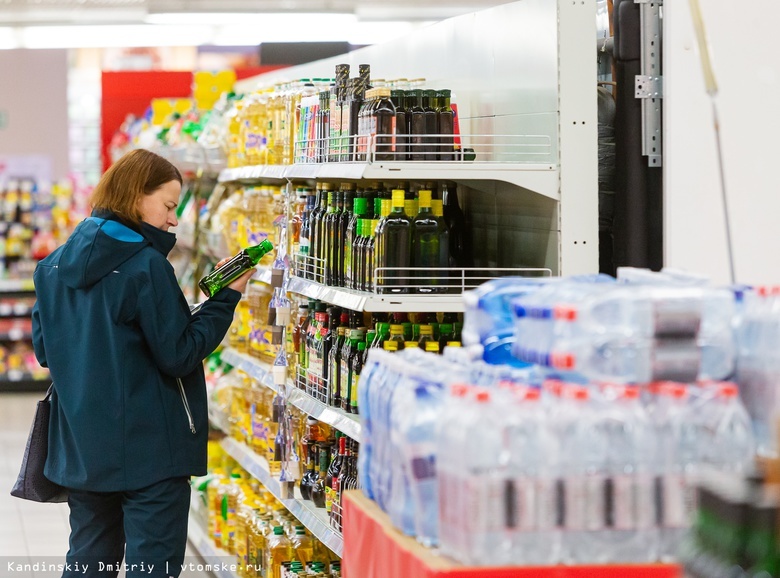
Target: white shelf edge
{"x": 315, "y": 519}
{"x": 539, "y": 178}
{"x": 261, "y": 371}
{"x": 375, "y": 302}
{"x": 213, "y": 556}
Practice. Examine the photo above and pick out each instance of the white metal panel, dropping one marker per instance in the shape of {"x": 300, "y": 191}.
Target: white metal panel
{"x": 579, "y": 252}
{"x": 744, "y": 44}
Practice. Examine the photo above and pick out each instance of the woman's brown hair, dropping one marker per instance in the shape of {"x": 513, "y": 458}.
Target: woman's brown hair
{"x": 137, "y": 173}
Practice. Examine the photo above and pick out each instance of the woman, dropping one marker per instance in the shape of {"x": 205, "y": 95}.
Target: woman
{"x": 129, "y": 416}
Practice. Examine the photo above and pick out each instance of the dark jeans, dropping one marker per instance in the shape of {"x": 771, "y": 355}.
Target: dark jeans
{"x": 147, "y": 528}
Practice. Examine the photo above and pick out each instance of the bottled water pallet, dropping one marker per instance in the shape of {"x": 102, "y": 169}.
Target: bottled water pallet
{"x": 373, "y": 547}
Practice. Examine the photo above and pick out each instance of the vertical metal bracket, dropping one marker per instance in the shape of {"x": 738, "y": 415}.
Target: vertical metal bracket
{"x": 649, "y": 85}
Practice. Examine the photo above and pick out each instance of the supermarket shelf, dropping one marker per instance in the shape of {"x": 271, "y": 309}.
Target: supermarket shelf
{"x": 540, "y": 178}
{"x": 315, "y": 519}
{"x": 372, "y": 302}
{"x": 220, "y": 563}
{"x": 373, "y": 547}
{"x": 17, "y": 286}
{"x": 22, "y": 384}
{"x": 346, "y": 423}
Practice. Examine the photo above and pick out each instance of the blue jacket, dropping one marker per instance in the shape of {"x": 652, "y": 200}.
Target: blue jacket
{"x": 115, "y": 331}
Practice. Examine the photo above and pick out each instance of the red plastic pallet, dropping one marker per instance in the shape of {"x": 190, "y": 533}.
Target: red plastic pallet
{"x": 373, "y": 548}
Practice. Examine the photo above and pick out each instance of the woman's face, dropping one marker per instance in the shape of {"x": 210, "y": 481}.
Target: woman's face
{"x": 159, "y": 208}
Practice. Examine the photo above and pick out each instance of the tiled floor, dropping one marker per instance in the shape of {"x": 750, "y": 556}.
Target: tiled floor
{"x": 29, "y": 532}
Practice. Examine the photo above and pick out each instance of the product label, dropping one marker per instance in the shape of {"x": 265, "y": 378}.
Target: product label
{"x": 524, "y": 504}
{"x": 344, "y": 380}
{"x": 676, "y": 317}
{"x": 675, "y": 359}
{"x": 354, "y": 392}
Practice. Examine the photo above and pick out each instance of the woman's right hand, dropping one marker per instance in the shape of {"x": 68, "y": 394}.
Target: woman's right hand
{"x": 241, "y": 283}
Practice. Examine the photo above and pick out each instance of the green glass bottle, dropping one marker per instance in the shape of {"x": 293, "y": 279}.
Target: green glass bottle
{"x": 357, "y": 265}
{"x": 340, "y": 232}
{"x": 395, "y": 249}
{"x": 357, "y": 367}
{"x": 430, "y": 105}
{"x": 446, "y": 126}
{"x": 426, "y": 252}
{"x": 359, "y": 209}
{"x": 223, "y": 276}
{"x": 328, "y": 224}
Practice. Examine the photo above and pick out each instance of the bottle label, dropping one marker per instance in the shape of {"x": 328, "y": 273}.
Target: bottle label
{"x": 353, "y": 399}
{"x": 676, "y": 317}
{"x": 485, "y": 506}
{"x": 522, "y": 507}
{"x": 675, "y": 359}
{"x": 344, "y": 380}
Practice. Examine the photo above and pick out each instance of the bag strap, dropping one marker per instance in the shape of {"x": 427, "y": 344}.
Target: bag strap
{"x": 48, "y": 393}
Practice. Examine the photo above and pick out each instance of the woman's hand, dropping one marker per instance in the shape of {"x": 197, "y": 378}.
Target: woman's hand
{"x": 240, "y": 283}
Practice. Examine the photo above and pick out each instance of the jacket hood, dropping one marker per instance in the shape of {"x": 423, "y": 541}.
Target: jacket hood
{"x": 97, "y": 247}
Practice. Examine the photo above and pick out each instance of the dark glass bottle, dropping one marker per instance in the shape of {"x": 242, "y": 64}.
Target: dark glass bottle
{"x": 299, "y": 339}
{"x": 369, "y": 260}
{"x": 312, "y": 467}
{"x": 359, "y": 207}
{"x": 341, "y": 481}
{"x": 446, "y": 334}
{"x": 401, "y": 146}
{"x": 327, "y": 343}
{"x": 317, "y": 358}
{"x": 353, "y": 276}
{"x": 334, "y": 365}
{"x": 328, "y": 225}
{"x": 339, "y": 122}
{"x": 395, "y": 249}
{"x": 385, "y": 123}
{"x": 304, "y": 244}
{"x": 426, "y": 253}
{"x": 431, "y": 125}
{"x": 416, "y": 114}
{"x": 357, "y": 366}
{"x": 323, "y": 126}
{"x": 318, "y": 234}
{"x": 239, "y": 264}
{"x": 356, "y": 336}
{"x": 340, "y": 237}
{"x": 318, "y": 488}
{"x": 446, "y": 126}
{"x": 456, "y": 224}
{"x": 333, "y": 473}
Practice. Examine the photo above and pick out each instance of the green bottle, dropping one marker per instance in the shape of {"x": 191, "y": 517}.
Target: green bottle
{"x": 223, "y": 276}
{"x": 360, "y": 206}
{"x": 426, "y": 250}
{"x": 357, "y": 368}
{"x": 394, "y": 249}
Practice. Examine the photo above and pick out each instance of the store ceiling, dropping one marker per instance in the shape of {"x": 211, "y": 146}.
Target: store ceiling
{"x": 41, "y": 12}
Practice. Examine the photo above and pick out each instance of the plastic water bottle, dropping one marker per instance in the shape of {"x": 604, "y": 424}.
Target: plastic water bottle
{"x": 643, "y": 334}
{"x": 451, "y": 438}
{"x": 482, "y": 488}
{"x": 679, "y": 457}
{"x": 532, "y": 469}
{"x": 609, "y": 488}
{"x": 758, "y": 363}
{"x": 420, "y": 453}
{"x": 729, "y": 444}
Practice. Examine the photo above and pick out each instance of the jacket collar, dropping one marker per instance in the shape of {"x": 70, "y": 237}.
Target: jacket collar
{"x": 162, "y": 241}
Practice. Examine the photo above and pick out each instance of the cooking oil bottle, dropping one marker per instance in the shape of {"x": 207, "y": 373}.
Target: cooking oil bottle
{"x": 278, "y": 550}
